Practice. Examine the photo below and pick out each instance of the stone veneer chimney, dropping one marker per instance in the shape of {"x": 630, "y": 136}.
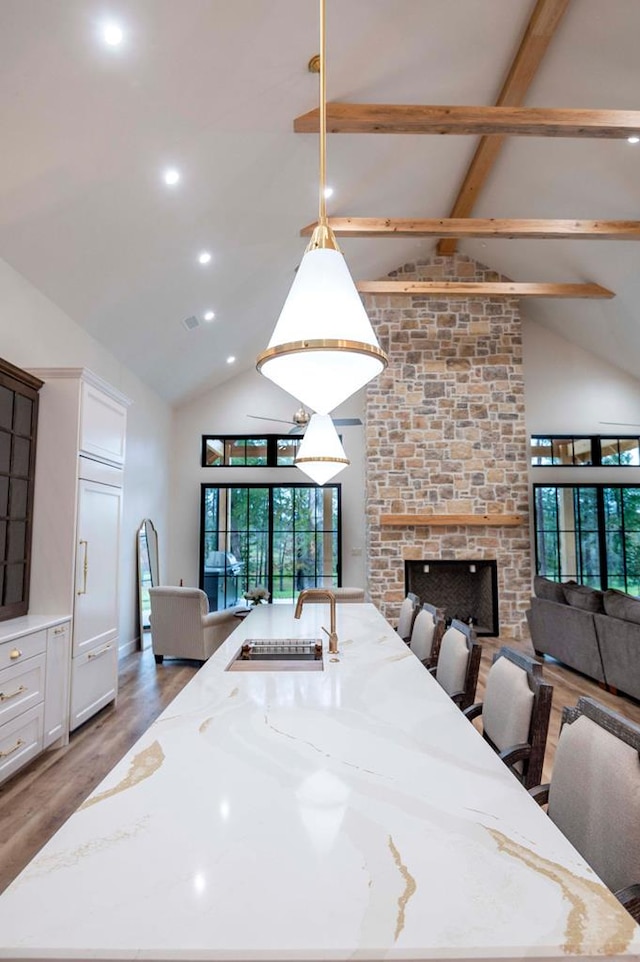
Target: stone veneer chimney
{"x": 445, "y": 434}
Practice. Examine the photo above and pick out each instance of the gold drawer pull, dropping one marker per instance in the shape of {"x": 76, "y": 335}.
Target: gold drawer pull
{"x": 60, "y": 631}
{"x": 13, "y": 694}
{"x": 16, "y": 653}
{"x": 15, "y": 748}
{"x": 97, "y": 654}
{"x": 85, "y": 567}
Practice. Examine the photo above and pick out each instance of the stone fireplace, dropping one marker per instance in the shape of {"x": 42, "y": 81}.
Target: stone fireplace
{"x": 466, "y": 590}
{"x": 446, "y": 438}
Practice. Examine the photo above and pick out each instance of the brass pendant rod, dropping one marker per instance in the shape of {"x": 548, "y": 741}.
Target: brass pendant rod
{"x": 322, "y": 218}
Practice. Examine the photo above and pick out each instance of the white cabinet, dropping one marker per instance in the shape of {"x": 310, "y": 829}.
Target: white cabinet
{"x": 76, "y": 531}
{"x": 56, "y": 698}
{"x": 34, "y": 672}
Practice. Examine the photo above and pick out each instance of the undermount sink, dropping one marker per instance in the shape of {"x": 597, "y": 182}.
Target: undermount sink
{"x": 278, "y": 654}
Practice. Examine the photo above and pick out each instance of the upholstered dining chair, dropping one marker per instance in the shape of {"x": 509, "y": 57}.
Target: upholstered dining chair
{"x": 458, "y": 663}
{"x": 182, "y": 625}
{"x": 594, "y": 795}
{"x": 515, "y": 713}
{"x": 426, "y": 634}
{"x": 408, "y": 611}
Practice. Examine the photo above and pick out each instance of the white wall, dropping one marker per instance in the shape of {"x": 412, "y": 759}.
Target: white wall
{"x": 225, "y": 410}
{"x": 36, "y": 333}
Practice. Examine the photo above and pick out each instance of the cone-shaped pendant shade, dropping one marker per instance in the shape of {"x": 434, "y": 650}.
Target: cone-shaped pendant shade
{"x": 321, "y": 455}
{"x": 323, "y": 348}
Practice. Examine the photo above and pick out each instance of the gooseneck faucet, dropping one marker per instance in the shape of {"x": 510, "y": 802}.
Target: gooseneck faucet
{"x": 307, "y": 594}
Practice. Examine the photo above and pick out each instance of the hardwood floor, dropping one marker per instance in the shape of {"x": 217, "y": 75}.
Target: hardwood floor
{"x": 35, "y": 803}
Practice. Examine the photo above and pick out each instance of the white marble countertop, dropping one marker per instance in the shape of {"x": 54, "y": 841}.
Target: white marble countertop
{"x": 350, "y": 813}
{"x": 18, "y": 627}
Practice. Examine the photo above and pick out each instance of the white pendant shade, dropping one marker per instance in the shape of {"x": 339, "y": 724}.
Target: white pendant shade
{"x": 321, "y": 455}
{"x": 323, "y": 348}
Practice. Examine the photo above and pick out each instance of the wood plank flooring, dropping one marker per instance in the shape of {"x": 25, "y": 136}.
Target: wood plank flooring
{"x": 36, "y": 801}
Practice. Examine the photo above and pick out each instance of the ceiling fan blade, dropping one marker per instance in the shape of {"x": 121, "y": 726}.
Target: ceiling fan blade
{"x": 258, "y": 417}
{"x": 625, "y": 424}
{"x": 343, "y": 421}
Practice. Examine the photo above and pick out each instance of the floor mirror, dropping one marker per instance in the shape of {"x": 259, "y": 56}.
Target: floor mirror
{"x": 148, "y": 575}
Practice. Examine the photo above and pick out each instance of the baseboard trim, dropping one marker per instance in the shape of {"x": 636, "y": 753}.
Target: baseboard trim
{"x": 128, "y": 648}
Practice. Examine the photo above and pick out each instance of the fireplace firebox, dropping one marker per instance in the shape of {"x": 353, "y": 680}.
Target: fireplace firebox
{"x": 467, "y": 590}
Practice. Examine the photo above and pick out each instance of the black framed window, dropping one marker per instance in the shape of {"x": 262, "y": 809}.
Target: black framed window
{"x": 589, "y": 534}
{"x": 283, "y": 537}
{"x": 233, "y": 451}
{"x": 576, "y": 450}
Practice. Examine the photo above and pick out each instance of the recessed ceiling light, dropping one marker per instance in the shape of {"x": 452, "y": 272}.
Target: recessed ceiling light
{"x": 112, "y": 34}
{"x": 204, "y": 257}
{"x": 231, "y": 359}
{"x": 209, "y": 315}
{"x": 328, "y": 192}
{"x": 633, "y": 140}
{"x": 171, "y": 176}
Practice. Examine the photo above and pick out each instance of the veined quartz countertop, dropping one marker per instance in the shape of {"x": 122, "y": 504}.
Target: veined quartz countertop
{"x": 350, "y": 813}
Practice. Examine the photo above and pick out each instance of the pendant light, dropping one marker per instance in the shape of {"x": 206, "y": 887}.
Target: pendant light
{"x": 323, "y": 348}
{"x": 321, "y": 455}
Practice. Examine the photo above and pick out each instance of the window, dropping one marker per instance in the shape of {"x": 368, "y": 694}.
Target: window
{"x": 269, "y": 451}
{"x": 285, "y": 537}
{"x": 595, "y": 450}
{"x": 589, "y": 533}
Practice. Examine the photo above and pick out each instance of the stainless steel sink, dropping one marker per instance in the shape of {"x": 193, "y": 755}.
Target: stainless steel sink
{"x": 279, "y": 654}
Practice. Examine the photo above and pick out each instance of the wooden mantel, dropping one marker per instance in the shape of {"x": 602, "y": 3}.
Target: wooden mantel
{"x": 443, "y": 520}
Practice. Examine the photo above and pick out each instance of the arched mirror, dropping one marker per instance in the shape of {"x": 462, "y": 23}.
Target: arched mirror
{"x": 148, "y": 575}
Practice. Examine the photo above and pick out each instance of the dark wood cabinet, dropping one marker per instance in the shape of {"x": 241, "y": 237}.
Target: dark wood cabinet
{"x": 18, "y": 428}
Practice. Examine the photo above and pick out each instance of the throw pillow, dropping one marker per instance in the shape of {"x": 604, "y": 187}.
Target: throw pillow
{"x": 620, "y": 605}
{"x": 549, "y": 590}
{"x": 581, "y": 596}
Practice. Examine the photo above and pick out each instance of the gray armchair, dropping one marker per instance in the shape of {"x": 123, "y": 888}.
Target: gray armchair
{"x": 182, "y": 625}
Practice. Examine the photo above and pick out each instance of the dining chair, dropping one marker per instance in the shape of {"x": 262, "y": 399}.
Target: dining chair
{"x": 408, "y": 611}
{"x": 426, "y": 634}
{"x": 594, "y": 795}
{"x": 515, "y": 713}
{"x": 458, "y": 663}
{"x": 182, "y": 625}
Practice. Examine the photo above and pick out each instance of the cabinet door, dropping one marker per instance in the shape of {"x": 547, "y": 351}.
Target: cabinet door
{"x": 56, "y": 693}
{"x": 95, "y": 620}
{"x": 103, "y": 423}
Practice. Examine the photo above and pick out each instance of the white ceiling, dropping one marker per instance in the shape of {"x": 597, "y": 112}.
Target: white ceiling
{"x": 213, "y": 86}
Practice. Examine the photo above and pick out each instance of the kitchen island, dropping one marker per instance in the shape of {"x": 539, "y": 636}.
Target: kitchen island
{"x": 344, "y": 813}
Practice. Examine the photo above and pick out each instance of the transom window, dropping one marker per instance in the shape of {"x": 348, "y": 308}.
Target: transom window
{"x": 595, "y": 450}
{"x": 267, "y": 451}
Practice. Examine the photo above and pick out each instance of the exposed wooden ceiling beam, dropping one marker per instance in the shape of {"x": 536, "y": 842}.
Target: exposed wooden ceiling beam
{"x": 455, "y": 289}
{"x": 542, "y": 25}
{"x": 481, "y": 227}
{"x": 500, "y": 120}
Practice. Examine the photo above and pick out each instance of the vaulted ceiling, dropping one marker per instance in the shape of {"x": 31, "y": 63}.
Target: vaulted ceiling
{"x": 212, "y": 87}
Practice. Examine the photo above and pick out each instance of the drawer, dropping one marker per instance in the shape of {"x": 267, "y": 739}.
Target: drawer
{"x": 12, "y": 652}
{"x": 58, "y": 634}
{"x": 94, "y": 682}
{"x": 20, "y": 741}
{"x": 21, "y": 687}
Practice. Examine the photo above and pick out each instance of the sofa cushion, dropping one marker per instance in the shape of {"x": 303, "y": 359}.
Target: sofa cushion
{"x": 581, "y": 596}
{"x": 619, "y": 605}
{"x": 549, "y": 590}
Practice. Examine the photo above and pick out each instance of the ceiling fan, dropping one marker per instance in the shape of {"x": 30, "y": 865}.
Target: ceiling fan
{"x": 301, "y": 418}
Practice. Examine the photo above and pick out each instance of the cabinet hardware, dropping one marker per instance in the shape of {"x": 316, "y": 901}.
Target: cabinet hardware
{"x": 15, "y": 748}
{"x": 60, "y": 631}
{"x": 5, "y": 697}
{"x": 16, "y": 653}
{"x": 96, "y": 654}
{"x": 85, "y": 567}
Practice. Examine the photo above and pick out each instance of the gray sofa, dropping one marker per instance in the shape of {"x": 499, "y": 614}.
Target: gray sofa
{"x": 595, "y": 632}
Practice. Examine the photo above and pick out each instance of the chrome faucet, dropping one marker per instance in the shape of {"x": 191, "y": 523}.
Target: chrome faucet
{"x": 306, "y": 595}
